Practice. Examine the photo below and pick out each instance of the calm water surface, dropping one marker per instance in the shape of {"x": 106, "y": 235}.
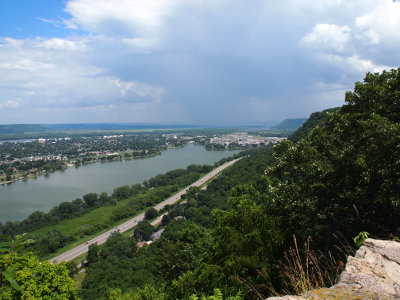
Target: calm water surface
{"x": 18, "y": 200}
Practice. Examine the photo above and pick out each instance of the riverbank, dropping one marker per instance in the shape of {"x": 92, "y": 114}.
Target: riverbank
{"x": 23, "y": 176}
{"x": 34, "y": 173}
{"x": 22, "y": 198}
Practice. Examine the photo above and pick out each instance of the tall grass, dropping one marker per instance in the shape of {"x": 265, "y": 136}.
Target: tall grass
{"x": 307, "y": 270}
{"x": 304, "y": 269}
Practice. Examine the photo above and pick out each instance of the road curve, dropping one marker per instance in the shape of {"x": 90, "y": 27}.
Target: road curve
{"x": 81, "y": 249}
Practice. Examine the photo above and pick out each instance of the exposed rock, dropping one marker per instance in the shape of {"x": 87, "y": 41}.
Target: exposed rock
{"x": 374, "y": 273}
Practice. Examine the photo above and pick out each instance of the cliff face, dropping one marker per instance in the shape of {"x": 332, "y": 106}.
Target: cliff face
{"x": 374, "y": 273}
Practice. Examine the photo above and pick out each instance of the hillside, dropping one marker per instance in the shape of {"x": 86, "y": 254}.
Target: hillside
{"x": 113, "y": 126}
{"x": 317, "y": 118}
{"x": 23, "y": 128}
{"x": 290, "y": 124}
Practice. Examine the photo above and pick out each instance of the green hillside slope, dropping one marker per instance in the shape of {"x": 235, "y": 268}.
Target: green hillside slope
{"x": 290, "y": 124}
{"x": 23, "y": 128}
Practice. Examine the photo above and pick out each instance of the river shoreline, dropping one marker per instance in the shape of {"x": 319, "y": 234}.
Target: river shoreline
{"x": 21, "y": 198}
{"x": 71, "y": 163}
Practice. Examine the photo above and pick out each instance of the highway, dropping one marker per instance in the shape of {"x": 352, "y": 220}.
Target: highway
{"x": 81, "y": 249}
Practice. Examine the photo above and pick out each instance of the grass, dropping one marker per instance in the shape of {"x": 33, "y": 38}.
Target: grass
{"x": 305, "y": 269}
{"x": 70, "y": 226}
{"x": 79, "y": 279}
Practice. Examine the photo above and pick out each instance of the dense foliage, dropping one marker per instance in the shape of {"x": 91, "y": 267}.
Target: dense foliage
{"x": 25, "y": 277}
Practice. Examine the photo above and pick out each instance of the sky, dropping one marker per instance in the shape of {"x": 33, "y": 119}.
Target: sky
{"x": 198, "y": 62}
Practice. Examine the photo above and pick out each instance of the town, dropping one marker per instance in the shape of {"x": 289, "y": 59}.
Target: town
{"x": 23, "y": 159}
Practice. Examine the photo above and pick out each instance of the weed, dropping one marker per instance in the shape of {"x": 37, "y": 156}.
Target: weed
{"x": 305, "y": 269}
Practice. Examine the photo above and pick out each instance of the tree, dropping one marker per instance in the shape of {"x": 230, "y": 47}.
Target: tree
{"x": 37, "y": 219}
{"x": 72, "y": 268}
{"x": 104, "y": 198}
{"x": 93, "y": 253}
{"x": 39, "y": 280}
{"x": 143, "y": 231}
{"x": 25, "y": 277}
{"x": 122, "y": 192}
{"x": 118, "y": 246}
{"x": 151, "y": 213}
{"x": 91, "y": 199}
{"x": 345, "y": 175}
{"x": 148, "y": 292}
{"x": 54, "y": 240}
{"x": 165, "y": 220}
{"x": 78, "y": 162}
{"x": 186, "y": 252}
{"x": 377, "y": 94}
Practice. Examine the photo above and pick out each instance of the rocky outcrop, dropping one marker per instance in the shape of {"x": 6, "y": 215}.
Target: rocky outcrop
{"x": 374, "y": 273}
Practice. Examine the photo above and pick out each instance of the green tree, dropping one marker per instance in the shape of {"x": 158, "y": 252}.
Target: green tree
{"x": 379, "y": 93}
{"x": 78, "y": 162}
{"x": 54, "y": 240}
{"x": 186, "y": 252}
{"x": 24, "y": 277}
{"x": 151, "y": 213}
{"x": 118, "y": 246}
{"x": 345, "y": 175}
{"x": 143, "y": 231}
{"x": 91, "y": 199}
{"x": 148, "y": 292}
{"x": 72, "y": 268}
{"x": 218, "y": 295}
{"x": 247, "y": 238}
{"x": 103, "y": 198}
{"x": 39, "y": 280}
{"x": 93, "y": 254}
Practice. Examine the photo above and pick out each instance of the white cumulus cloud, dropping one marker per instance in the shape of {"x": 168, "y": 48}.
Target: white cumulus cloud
{"x": 328, "y": 36}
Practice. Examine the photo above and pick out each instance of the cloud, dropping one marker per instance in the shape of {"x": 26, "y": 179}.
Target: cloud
{"x": 328, "y": 36}
{"x": 381, "y": 23}
{"x": 139, "y": 89}
{"x": 123, "y": 17}
{"x": 61, "y": 44}
{"x": 201, "y": 61}
{"x": 11, "y": 104}
{"x": 144, "y": 45}
{"x": 57, "y": 73}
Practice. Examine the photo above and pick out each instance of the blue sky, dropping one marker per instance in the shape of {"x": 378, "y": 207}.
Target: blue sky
{"x": 208, "y": 62}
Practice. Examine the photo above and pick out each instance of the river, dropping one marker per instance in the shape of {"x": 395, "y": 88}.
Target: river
{"x": 18, "y": 200}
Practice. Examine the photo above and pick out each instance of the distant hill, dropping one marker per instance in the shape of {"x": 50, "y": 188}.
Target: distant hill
{"x": 290, "y": 124}
{"x": 111, "y": 126}
{"x": 315, "y": 119}
{"x": 23, "y": 128}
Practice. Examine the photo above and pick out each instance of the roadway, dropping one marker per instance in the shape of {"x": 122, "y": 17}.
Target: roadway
{"x": 81, "y": 249}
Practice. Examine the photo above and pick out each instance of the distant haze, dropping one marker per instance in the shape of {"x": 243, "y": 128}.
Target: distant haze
{"x": 221, "y": 63}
